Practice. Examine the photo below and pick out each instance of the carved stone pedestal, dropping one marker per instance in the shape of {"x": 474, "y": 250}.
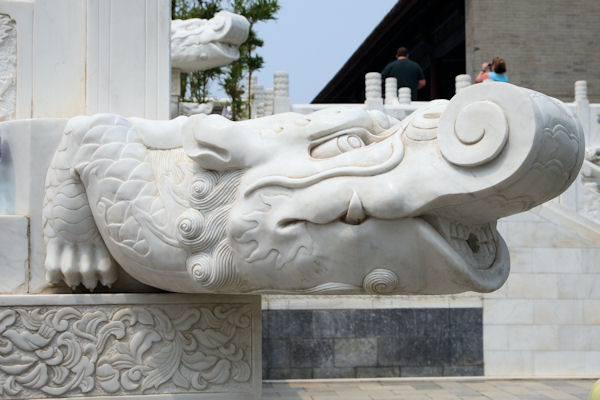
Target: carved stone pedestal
{"x": 146, "y": 346}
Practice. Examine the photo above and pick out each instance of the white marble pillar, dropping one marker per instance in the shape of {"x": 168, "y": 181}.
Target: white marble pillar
{"x": 583, "y": 112}
{"x": 373, "y": 100}
{"x": 259, "y": 101}
{"x": 404, "y": 95}
{"x": 269, "y": 101}
{"x": 126, "y": 57}
{"x": 281, "y": 92}
{"x": 175, "y": 92}
{"x": 462, "y": 81}
{"x": 391, "y": 91}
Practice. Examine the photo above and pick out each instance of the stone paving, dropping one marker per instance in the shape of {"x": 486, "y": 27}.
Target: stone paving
{"x": 430, "y": 389}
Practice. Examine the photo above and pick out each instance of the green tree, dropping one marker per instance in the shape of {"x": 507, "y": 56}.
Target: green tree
{"x": 254, "y": 11}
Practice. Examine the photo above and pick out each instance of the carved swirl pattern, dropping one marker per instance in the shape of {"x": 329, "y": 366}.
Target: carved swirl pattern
{"x": 480, "y": 134}
{"x": 380, "y": 281}
{"x": 71, "y": 351}
{"x": 202, "y": 230}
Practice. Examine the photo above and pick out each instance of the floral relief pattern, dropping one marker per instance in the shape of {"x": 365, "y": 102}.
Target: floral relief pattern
{"x": 74, "y": 350}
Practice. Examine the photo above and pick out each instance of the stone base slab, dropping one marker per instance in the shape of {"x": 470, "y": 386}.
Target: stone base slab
{"x": 117, "y": 346}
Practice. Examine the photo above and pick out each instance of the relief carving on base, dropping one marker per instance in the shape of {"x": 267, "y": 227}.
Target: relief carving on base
{"x": 124, "y": 350}
{"x": 8, "y": 67}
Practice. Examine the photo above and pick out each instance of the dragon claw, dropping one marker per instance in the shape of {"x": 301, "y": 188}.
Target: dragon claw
{"x": 75, "y": 264}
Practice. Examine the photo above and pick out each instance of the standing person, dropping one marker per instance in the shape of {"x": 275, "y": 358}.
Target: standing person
{"x": 407, "y": 72}
{"x": 494, "y": 71}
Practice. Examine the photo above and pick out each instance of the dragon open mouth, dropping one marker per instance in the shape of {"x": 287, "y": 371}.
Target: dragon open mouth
{"x": 476, "y": 244}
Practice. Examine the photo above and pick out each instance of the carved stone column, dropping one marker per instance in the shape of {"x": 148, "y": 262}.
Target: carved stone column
{"x": 404, "y": 95}
{"x": 175, "y": 92}
{"x": 391, "y": 91}
{"x": 259, "y": 101}
{"x": 268, "y": 101}
{"x": 373, "y": 99}
{"x": 132, "y": 346}
{"x": 462, "y": 81}
{"x": 281, "y": 92}
{"x": 583, "y": 112}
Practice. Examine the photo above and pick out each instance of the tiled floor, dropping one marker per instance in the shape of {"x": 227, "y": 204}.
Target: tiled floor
{"x": 436, "y": 389}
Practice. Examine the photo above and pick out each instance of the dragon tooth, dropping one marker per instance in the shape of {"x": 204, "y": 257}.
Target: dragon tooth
{"x": 462, "y": 232}
{"x": 355, "y": 214}
{"x": 453, "y": 231}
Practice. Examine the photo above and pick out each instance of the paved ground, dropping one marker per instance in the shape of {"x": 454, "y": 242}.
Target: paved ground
{"x": 437, "y": 389}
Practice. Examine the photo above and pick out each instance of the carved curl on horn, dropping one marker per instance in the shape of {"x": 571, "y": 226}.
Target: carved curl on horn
{"x": 479, "y": 134}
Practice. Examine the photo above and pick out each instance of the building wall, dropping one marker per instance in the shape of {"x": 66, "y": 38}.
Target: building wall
{"x": 545, "y": 320}
{"x": 547, "y": 44}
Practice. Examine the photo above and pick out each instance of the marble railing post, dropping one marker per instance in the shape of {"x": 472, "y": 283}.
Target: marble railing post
{"x": 404, "y": 95}
{"x": 462, "y": 81}
{"x": 583, "y": 112}
{"x": 259, "y": 101}
{"x": 281, "y": 92}
{"x": 175, "y": 92}
{"x": 268, "y": 101}
{"x": 373, "y": 100}
{"x": 391, "y": 91}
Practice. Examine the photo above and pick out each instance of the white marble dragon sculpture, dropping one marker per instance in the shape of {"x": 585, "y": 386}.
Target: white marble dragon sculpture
{"x": 200, "y": 44}
{"x": 338, "y": 201}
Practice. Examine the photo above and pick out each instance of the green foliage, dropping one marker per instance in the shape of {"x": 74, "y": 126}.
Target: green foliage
{"x": 196, "y": 86}
{"x": 231, "y": 82}
{"x": 254, "y": 11}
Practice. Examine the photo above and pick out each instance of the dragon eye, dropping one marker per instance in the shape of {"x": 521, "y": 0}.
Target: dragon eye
{"x": 349, "y": 142}
{"x": 337, "y": 145}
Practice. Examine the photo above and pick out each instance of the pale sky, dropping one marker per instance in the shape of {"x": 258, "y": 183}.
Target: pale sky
{"x": 312, "y": 39}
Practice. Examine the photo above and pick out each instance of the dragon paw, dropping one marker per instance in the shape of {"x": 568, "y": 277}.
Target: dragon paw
{"x": 79, "y": 263}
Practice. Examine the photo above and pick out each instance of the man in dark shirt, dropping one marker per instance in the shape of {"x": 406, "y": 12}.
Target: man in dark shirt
{"x": 407, "y": 72}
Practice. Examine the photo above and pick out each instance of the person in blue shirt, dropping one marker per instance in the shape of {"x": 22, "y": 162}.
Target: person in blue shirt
{"x": 494, "y": 71}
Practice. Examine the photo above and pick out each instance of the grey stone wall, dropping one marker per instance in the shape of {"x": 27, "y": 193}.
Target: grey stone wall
{"x": 302, "y": 344}
{"x": 547, "y": 44}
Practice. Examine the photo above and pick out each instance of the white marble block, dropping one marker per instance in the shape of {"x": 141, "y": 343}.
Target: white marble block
{"x": 127, "y": 63}
{"x": 130, "y": 346}
{"x": 75, "y": 57}
{"x": 14, "y": 253}
{"x": 31, "y": 144}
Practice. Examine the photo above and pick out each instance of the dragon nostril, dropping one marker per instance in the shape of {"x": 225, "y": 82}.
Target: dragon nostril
{"x": 473, "y": 243}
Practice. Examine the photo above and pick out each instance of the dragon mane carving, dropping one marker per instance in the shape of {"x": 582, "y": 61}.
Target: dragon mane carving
{"x": 338, "y": 201}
